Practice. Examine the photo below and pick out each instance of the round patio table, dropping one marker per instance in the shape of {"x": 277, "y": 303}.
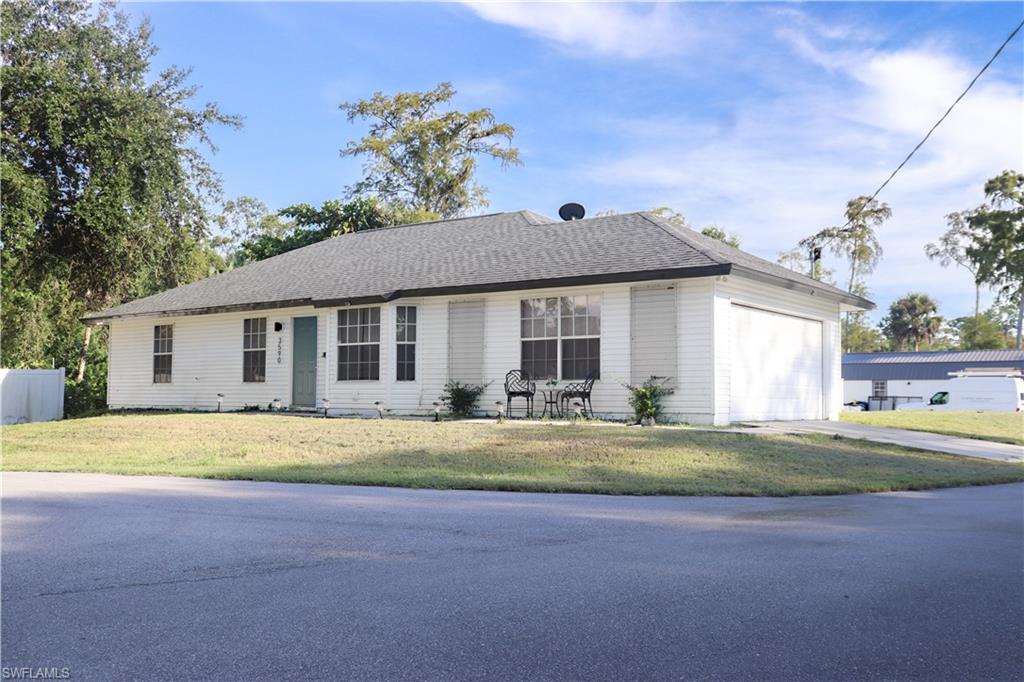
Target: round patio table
{"x": 551, "y": 406}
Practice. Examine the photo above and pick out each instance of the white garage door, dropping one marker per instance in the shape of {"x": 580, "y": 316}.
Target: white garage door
{"x": 776, "y": 366}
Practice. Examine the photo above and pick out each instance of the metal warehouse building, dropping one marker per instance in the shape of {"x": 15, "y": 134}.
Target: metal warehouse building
{"x": 867, "y": 375}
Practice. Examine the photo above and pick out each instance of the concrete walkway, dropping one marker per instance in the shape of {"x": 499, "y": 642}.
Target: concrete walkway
{"x": 937, "y": 442}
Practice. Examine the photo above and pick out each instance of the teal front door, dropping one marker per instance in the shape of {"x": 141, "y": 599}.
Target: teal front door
{"x": 304, "y": 362}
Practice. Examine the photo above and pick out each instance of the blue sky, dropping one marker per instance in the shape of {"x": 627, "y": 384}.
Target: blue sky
{"x": 762, "y": 118}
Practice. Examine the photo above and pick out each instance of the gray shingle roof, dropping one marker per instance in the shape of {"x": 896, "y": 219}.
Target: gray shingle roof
{"x": 497, "y": 252}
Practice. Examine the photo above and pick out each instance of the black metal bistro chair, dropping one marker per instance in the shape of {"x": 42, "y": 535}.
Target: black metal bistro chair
{"x": 519, "y": 385}
{"x": 580, "y": 391}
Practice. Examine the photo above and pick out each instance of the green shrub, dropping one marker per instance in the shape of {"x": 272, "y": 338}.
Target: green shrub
{"x": 461, "y": 399}
{"x": 87, "y": 397}
{"x": 645, "y": 399}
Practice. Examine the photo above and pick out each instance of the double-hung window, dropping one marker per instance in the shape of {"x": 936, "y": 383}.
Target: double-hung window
{"x": 561, "y": 337}
{"x": 405, "y": 340}
{"x": 163, "y": 347}
{"x": 254, "y": 349}
{"x": 581, "y": 336}
{"x": 878, "y": 389}
{"x": 538, "y": 322}
{"x": 359, "y": 344}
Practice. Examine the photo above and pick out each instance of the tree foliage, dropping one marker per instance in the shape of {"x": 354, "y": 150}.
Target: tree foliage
{"x": 798, "y": 260}
{"x": 860, "y": 336}
{"x": 421, "y": 155}
{"x": 977, "y": 332}
{"x": 245, "y": 219}
{"x": 105, "y": 182}
{"x": 912, "y": 321}
{"x": 996, "y": 233}
{"x": 715, "y": 232}
{"x": 857, "y": 242}
{"x": 666, "y": 213}
{"x": 952, "y": 249}
{"x": 311, "y": 224}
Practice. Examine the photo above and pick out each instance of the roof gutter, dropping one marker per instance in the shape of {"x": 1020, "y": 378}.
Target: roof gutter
{"x": 840, "y": 296}
{"x": 100, "y": 317}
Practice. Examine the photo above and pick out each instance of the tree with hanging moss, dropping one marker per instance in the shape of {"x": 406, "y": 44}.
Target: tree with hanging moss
{"x": 421, "y": 154}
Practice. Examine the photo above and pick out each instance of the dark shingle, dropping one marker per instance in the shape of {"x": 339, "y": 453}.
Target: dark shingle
{"x": 502, "y": 251}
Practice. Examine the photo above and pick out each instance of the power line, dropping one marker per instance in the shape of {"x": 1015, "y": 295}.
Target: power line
{"x": 937, "y": 123}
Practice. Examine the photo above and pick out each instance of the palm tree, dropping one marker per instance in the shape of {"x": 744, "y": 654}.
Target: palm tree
{"x": 912, "y": 320}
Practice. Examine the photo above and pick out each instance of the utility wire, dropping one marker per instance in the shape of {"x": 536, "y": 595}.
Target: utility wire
{"x": 937, "y": 123}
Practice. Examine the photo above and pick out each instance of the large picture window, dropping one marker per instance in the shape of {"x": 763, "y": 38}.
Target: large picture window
{"x": 405, "y": 341}
{"x": 254, "y": 349}
{"x": 163, "y": 347}
{"x": 359, "y": 344}
{"x": 561, "y": 337}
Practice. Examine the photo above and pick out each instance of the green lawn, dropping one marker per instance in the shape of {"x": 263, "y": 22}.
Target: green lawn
{"x": 594, "y": 458}
{"x": 1003, "y": 427}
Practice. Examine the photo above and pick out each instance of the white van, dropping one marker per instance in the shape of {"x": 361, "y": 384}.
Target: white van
{"x": 976, "y": 394}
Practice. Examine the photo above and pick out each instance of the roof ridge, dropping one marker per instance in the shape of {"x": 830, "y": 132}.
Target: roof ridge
{"x": 384, "y": 228}
{"x": 536, "y": 218}
{"x": 427, "y": 222}
{"x": 674, "y": 232}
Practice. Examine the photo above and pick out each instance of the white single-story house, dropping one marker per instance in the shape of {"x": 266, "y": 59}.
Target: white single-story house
{"x": 391, "y": 315}
{"x": 918, "y": 374}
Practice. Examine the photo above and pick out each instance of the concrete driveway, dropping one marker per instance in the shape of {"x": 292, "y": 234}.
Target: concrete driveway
{"x": 159, "y": 578}
{"x": 937, "y": 442}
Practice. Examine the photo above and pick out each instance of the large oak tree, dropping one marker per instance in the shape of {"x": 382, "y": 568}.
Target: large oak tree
{"x": 104, "y": 174}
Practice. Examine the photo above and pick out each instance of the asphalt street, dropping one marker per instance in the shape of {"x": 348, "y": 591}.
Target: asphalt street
{"x": 161, "y": 578}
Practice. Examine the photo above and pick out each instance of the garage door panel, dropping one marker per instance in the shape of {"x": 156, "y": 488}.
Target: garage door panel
{"x": 776, "y": 366}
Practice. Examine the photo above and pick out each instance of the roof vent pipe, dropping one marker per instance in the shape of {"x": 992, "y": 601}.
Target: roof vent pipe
{"x": 572, "y": 211}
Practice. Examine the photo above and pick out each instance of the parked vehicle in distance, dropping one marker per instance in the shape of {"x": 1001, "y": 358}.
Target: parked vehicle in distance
{"x": 976, "y": 394}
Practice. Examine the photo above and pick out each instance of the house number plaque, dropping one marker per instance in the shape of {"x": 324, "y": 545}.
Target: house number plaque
{"x": 279, "y": 350}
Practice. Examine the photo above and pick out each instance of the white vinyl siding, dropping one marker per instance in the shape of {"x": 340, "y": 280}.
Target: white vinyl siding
{"x": 654, "y": 337}
{"x": 466, "y": 341}
{"x": 206, "y": 361}
{"x": 474, "y": 338}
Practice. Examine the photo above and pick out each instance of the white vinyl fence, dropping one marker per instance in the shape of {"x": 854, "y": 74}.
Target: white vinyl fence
{"x": 31, "y": 395}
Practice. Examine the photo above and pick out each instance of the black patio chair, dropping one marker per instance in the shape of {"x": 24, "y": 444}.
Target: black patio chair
{"x": 580, "y": 391}
{"x": 519, "y": 385}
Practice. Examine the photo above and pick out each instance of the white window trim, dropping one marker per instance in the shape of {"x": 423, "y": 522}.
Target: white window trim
{"x": 558, "y": 337}
{"x": 379, "y": 343}
{"x": 152, "y": 371}
{"x": 415, "y": 363}
{"x": 245, "y": 350}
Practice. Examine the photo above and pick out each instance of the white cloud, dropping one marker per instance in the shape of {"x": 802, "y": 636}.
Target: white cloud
{"x": 831, "y": 111}
{"x": 788, "y": 161}
{"x": 613, "y": 30}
